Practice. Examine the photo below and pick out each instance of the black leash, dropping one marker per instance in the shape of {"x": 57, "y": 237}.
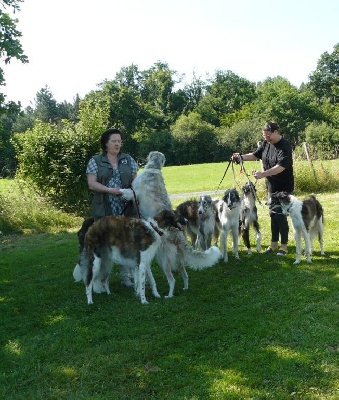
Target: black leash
{"x": 229, "y": 163}
{"x": 254, "y": 192}
{"x": 135, "y": 201}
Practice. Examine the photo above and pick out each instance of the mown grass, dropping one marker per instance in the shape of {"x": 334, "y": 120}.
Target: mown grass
{"x": 258, "y": 328}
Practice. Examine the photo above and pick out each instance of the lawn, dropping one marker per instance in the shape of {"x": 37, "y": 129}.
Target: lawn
{"x": 258, "y": 328}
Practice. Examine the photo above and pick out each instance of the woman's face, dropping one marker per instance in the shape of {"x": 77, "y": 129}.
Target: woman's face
{"x": 114, "y": 143}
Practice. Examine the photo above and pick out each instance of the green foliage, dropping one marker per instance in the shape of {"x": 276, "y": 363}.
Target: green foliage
{"x": 280, "y": 101}
{"x": 54, "y": 161}
{"x": 226, "y": 93}
{"x": 22, "y": 210}
{"x": 242, "y": 137}
{"x": 323, "y": 141}
{"x": 324, "y": 81}
{"x": 194, "y": 139}
{"x": 315, "y": 177}
{"x": 10, "y": 46}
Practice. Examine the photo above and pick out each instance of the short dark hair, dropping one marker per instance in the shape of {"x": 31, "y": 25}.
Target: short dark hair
{"x": 105, "y": 138}
{"x": 271, "y": 126}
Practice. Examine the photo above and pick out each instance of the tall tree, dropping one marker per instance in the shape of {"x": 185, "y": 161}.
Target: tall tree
{"x": 45, "y": 106}
{"x": 226, "y": 93}
{"x": 324, "y": 81}
{"x": 10, "y": 46}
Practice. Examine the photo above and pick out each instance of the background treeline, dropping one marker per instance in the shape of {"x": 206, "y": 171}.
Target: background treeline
{"x": 202, "y": 121}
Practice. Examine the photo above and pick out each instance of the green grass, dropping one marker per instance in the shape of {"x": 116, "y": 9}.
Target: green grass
{"x": 258, "y": 328}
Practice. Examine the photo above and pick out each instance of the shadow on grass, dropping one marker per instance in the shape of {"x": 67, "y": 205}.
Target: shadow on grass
{"x": 255, "y": 328}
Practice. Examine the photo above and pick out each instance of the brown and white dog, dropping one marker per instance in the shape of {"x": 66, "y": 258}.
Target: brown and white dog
{"x": 119, "y": 240}
{"x": 200, "y": 216}
{"x": 307, "y": 220}
{"x": 228, "y": 209}
{"x": 173, "y": 253}
{"x": 249, "y": 216}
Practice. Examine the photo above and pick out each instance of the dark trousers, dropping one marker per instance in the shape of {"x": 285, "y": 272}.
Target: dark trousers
{"x": 279, "y": 226}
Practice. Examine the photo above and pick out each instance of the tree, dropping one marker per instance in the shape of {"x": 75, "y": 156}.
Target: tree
{"x": 194, "y": 140}
{"x": 324, "y": 81}
{"x": 10, "y": 46}
{"x": 278, "y": 100}
{"x": 45, "y": 109}
{"x": 226, "y": 93}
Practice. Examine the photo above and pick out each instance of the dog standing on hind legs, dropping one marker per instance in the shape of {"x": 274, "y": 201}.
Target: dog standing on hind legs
{"x": 249, "y": 216}
{"x": 307, "y": 220}
{"x": 173, "y": 253}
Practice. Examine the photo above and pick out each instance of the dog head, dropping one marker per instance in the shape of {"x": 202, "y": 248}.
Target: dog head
{"x": 168, "y": 218}
{"x": 248, "y": 188}
{"x": 205, "y": 203}
{"x": 279, "y": 201}
{"x": 155, "y": 160}
{"x": 231, "y": 198}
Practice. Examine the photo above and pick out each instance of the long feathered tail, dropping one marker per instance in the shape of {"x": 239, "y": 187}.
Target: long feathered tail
{"x": 198, "y": 260}
{"x": 79, "y": 274}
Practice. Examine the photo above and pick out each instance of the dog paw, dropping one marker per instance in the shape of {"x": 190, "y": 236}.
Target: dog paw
{"x": 296, "y": 262}
{"x": 127, "y": 194}
{"x": 157, "y": 295}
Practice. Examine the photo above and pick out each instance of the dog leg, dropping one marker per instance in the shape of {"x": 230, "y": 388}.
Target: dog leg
{"x": 245, "y": 233}
{"x": 223, "y": 240}
{"x": 95, "y": 274}
{"x": 166, "y": 267}
{"x": 235, "y": 237}
{"x": 297, "y": 237}
{"x": 320, "y": 238}
{"x": 142, "y": 282}
{"x": 258, "y": 235}
{"x": 307, "y": 245}
{"x": 152, "y": 282}
{"x": 184, "y": 276}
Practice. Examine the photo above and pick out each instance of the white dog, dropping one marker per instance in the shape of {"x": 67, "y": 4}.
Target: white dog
{"x": 228, "y": 209}
{"x": 173, "y": 253}
{"x": 307, "y": 220}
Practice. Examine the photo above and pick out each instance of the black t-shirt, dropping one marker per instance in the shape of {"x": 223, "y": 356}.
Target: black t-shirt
{"x": 279, "y": 153}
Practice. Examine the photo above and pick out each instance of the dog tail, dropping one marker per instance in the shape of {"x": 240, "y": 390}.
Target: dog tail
{"x": 198, "y": 260}
{"x": 77, "y": 273}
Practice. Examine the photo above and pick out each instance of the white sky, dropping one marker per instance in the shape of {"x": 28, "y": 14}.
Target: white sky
{"x": 73, "y": 45}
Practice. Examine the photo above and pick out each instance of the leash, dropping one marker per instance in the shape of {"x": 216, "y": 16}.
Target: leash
{"x": 229, "y": 163}
{"x": 136, "y": 204}
{"x": 254, "y": 192}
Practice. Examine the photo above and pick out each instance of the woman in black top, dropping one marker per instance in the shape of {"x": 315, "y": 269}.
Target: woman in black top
{"x": 276, "y": 155}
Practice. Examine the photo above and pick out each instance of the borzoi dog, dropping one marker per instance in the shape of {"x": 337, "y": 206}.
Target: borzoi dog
{"x": 307, "y": 220}
{"x": 130, "y": 241}
{"x": 249, "y": 216}
{"x": 173, "y": 252}
{"x": 228, "y": 209}
{"x": 200, "y": 216}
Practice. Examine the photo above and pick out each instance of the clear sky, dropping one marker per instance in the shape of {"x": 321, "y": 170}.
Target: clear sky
{"x": 73, "y": 45}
